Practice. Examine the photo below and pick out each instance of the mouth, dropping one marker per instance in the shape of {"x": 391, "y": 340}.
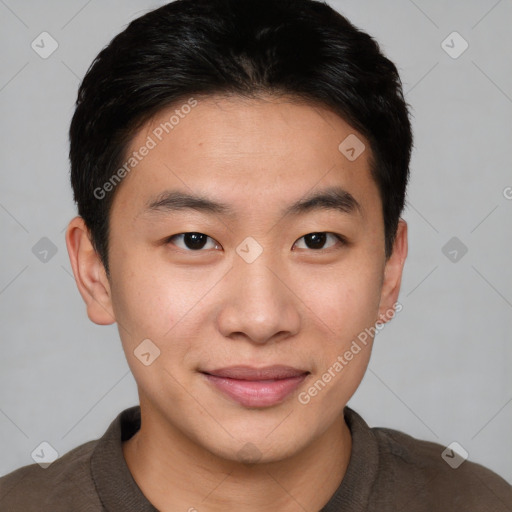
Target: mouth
{"x": 256, "y": 387}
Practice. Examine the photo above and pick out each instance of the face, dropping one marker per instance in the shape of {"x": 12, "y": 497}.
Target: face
{"x": 254, "y": 307}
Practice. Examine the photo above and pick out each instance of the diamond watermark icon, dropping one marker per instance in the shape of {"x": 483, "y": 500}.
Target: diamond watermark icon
{"x": 44, "y": 454}
{"x": 454, "y": 45}
{"x": 146, "y": 352}
{"x": 352, "y": 147}
{"x": 454, "y": 455}
{"x": 44, "y": 45}
{"x": 249, "y": 250}
{"x": 44, "y": 250}
{"x": 249, "y": 454}
{"x": 454, "y": 249}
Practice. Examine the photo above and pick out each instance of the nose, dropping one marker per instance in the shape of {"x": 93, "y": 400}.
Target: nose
{"x": 259, "y": 302}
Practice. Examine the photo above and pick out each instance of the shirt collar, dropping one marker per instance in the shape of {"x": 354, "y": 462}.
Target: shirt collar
{"x": 116, "y": 487}
{"x": 118, "y": 490}
{"x": 355, "y": 489}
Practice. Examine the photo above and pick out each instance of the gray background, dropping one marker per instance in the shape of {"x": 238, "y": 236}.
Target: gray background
{"x": 440, "y": 369}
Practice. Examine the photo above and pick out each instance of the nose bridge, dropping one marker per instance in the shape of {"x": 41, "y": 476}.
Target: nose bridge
{"x": 258, "y": 304}
{"x": 258, "y": 280}
{"x": 256, "y": 262}
{"x": 259, "y": 288}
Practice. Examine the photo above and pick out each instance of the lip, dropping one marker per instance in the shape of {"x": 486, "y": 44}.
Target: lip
{"x": 256, "y": 387}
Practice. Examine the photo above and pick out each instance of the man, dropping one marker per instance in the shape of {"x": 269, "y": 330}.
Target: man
{"x": 240, "y": 167}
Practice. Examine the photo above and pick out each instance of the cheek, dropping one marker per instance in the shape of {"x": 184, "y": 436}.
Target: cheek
{"x": 139, "y": 304}
{"x": 166, "y": 305}
{"x": 148, "y": 309}
{"x": 146, "y": 302}
{"x": 345, "y": 304}
{"x": 346, "y": 308}
{"x": 344, "y": 300}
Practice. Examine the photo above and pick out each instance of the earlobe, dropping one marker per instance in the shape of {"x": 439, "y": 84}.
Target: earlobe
{"x": 89, "y": 272}
{"x": 393, "y": 274}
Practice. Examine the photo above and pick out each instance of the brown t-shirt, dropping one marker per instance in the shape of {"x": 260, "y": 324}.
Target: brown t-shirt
{"x": 388, "y": 472}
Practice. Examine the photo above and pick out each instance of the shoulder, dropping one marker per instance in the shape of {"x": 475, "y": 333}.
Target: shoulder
{"x": 67, "y": 482}
{"x": 437, "y": 475}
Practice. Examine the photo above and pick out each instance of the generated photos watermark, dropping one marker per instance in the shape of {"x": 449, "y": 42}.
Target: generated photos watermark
{"x": 343, "y": 360}
{"x": 152, "y": 141}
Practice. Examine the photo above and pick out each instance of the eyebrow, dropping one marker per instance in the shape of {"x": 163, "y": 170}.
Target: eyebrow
{"x": 332, "y": 198}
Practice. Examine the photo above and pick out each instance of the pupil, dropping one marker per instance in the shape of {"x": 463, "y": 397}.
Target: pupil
{"x": 317, "y": 239}
{"x": 195, "y": 240}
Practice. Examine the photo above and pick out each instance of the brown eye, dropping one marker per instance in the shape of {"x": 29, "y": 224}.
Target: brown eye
{"x": 316, "y": 241}
{"x": 192, "y": 241}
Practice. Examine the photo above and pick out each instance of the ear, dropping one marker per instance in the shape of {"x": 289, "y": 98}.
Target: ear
{"x": 393, "y": 274}
{"x": 89, "y": 272}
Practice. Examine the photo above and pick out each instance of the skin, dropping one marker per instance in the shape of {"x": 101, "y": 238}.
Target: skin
{"x": 209, "y": 308}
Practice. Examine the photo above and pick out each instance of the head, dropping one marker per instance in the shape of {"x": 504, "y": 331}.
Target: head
{"x": 288, "y": 127}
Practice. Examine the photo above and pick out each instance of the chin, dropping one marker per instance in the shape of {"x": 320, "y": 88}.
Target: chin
{"x": 261, "y": 446}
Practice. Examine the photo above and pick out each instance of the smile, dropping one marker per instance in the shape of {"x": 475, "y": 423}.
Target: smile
{"x": 256, "y": 387}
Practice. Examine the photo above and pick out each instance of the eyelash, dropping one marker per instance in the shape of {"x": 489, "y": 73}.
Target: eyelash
{"x": 341, "y": 239}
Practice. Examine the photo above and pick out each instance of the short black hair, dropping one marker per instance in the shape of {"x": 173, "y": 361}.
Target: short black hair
{"x": 297, "y": 48}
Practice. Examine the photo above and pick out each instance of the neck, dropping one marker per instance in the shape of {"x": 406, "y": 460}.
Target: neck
{"x": 174, "y": 473}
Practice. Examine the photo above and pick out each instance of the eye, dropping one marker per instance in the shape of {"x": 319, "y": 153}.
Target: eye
{"x": 317, "y": 240}
{"x": 193, "y": 241}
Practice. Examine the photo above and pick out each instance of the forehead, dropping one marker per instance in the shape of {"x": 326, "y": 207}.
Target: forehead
{"x": 248, "y": 153}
